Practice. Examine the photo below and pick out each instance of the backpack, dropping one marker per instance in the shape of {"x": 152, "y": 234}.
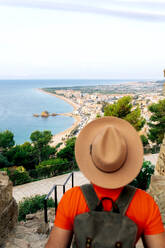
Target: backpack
{"x": 105, "y": 229}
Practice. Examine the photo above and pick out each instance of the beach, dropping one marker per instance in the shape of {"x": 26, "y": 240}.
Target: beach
{"x": 74, "y": 105}
{"x": 57, "y": 138}
{"x": 60, "y": 137}
{"x": 26, "y": 100}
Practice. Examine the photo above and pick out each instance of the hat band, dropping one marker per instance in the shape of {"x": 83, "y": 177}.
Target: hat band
{"x": 110, "y": 172}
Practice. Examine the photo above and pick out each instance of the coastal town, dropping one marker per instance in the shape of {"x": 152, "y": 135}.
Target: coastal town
{"x": 88, "y": 102}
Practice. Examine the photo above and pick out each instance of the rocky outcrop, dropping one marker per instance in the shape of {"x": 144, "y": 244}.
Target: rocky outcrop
{"x": 32, "y": 233}
{"x": 8, "y": 208}
{"x": 45, "y": 114}
{"x": 160, "y": 165}
{"x": 157, "y": 185}
{"x": 157, "y": 190}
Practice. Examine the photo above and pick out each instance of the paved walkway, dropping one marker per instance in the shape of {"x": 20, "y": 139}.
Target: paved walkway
{"x": 44, "y": 186}
{"x": 152, "y": 157}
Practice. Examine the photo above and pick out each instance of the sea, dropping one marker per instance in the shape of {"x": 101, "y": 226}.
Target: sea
{"x": 20, "y": 99}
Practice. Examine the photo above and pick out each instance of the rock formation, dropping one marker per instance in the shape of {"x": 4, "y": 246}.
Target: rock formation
{"x": 32, "y": 233}
{"x": 157, "y": 190}
{"x": 45, "y": 114}
{"x": 160, "y": 165}
{"x": 8, "y": 207}
{"x": 157, "y": 186}
{"x": 53, "y": 114}
{"x": 36, "y": 115}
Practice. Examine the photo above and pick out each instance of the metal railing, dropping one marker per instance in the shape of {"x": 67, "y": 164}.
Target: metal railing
{"x": 155, "y": 149}
{"x": 54, "y": 188}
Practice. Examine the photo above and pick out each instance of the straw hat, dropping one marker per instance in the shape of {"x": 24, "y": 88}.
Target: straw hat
{"x": 109, "y": 152}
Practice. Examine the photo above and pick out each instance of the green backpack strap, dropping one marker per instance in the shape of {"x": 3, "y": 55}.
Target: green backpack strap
{"x": 125, "y": 198}
{"x": 90, "y": 196}
{"x": 122, "y": 202}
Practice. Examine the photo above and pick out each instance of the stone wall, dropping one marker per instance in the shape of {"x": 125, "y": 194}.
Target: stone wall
{"x": 160, "y": 165}
{"x": 157, "y": 186}
{"x": 157, "y": 190}
{"x": 8, "y": 208}
{"x": 32, "y": 233}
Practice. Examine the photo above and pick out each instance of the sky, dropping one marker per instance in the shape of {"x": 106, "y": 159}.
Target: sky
{"x": 80, "y": 39}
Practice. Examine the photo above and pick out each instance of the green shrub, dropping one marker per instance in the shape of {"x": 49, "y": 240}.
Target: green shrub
{"x": 19, "y": 177}
{"x": 58, "y": 145}
{"x": 23, "y": 155}
{"x": 31, "y": 205}
{"x": 55, "y": 161}
{"x": 4, "y": 169}
{"x": 144, "y": 140}
{"x": 49, "y": 168}
{"x": 20, "y": 169}
{"x": 98, "y": 115}
{"x": 4, "y": 162}
{"x": 143, "y": 179}
{"x": 53, "y": 167}
{"x": 68, "y": 151}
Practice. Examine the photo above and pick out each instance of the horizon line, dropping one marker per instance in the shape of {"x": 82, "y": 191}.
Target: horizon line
{"x": 82, "y": 79}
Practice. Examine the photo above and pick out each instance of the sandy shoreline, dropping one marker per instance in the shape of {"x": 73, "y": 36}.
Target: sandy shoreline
{"x": 57, "y": 138}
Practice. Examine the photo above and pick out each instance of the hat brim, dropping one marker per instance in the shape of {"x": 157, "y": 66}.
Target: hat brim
{"x": 132, "y": 165}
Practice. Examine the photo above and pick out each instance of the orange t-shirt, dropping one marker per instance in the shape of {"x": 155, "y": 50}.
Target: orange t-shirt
{"x": 142, "y": 210}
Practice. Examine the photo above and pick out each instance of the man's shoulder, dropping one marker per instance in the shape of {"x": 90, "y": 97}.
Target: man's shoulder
{"x": 143, "y": 194}
{"x": 73, "y": 190}
{"x": 143, "y": 198}
{"x": 72, "y": 194}
{"x": 73, "y": 201}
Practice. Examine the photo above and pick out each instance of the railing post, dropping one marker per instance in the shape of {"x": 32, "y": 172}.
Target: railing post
{"x": 45, "y": 211}
{"x": 55, "y": 198}
{"x": 55, "y": 195}
{"x": 72, "y": 179}
{"x": 64, "y": 189}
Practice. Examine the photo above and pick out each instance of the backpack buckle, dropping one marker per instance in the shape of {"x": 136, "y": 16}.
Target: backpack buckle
{"x": 88, "y": 242}
{"x": 99, "y": 206}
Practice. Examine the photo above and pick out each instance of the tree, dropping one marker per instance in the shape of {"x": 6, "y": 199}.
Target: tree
{"x": 143, "y": 179}
{"x": 144, "y": 140}
{"x": 4, "y": 162}
{"x": 6, "y": 140}
{"x": 135, "y": 119}
{"x": 123, "y": 109}
{"x": 98, "y": 115}
{"x": 23, "y": 155}
{"x": 120, "y": 108}
{"x": 40, "y": 140}
{"x": 68, "y": 151}
{"x": 157, "y": 122}
{"x": 47, "y": 152}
